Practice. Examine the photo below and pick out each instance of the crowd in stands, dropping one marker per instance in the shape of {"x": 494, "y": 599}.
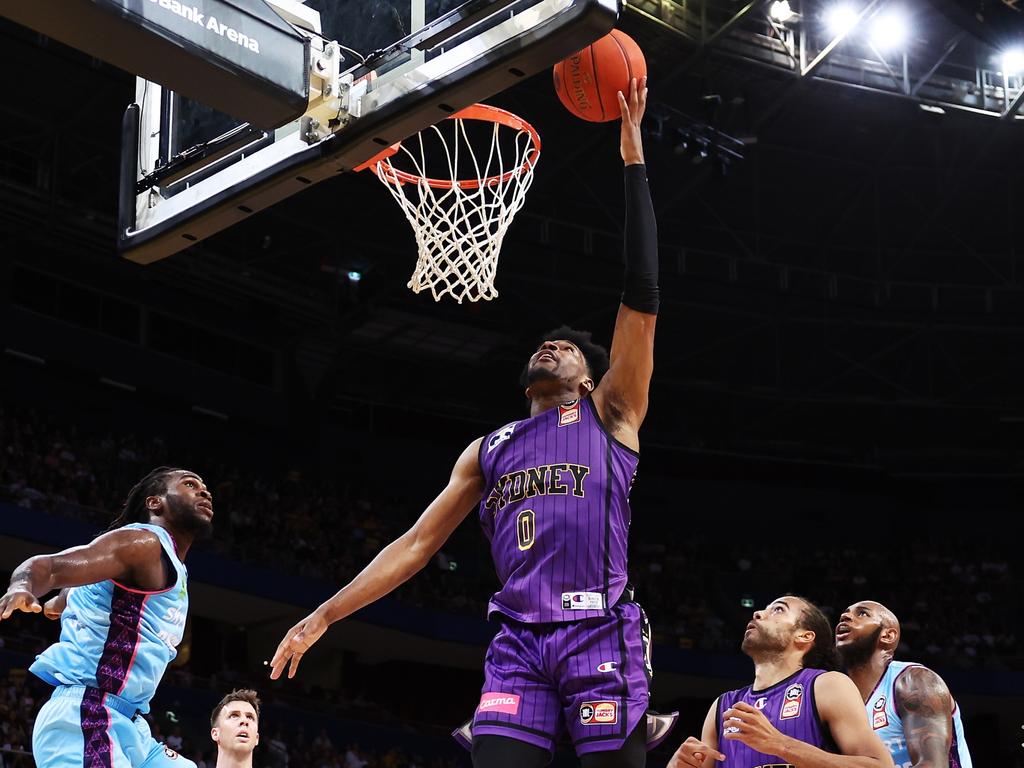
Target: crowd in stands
{"x": 187, "y": 730}
{"x": 958, "y": 606}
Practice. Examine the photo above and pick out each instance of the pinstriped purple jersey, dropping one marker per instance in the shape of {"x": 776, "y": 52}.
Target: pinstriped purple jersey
{"x": 789, "y": 705}
{"x": 556, "y": 511}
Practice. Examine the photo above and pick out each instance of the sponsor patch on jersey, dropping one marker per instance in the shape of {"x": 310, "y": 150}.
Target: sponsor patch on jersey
{"x": 569, "y": 413}
{"x": 879, "y": 719}
{"x": 492, "y": 701}
{"x": 582, "y": 601}
{"x": 794, "y": 700}
{"x": 599, "y": 713}
{"x": 501, "y": 436}
{"x": 607, "y": 666}
{"x": 761, "y": 703}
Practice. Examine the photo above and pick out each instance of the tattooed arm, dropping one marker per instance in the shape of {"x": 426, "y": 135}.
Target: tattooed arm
{"x": 926, "y": 708}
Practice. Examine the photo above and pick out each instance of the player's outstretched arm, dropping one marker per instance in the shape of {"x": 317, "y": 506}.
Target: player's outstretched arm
{"x": 926, "y": 708}
{"x": 840, "y": 707}
{"x": 621, "y": 397}
{"x": 128, "y": 555}
{"x": 394, "y": 565}
{"x": 702, "y": 753}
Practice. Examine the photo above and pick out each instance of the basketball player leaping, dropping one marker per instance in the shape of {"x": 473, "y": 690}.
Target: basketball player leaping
{"x": 552, "y": 492}
{"x": 909, "y": 707}
{"x": 121, "y": 620}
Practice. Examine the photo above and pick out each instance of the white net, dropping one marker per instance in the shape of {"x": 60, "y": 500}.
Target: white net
{"x": 460, "y": 217}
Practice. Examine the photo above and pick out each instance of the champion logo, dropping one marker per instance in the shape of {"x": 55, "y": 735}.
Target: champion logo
{"x": 607, "y": 666}
{"x": 761, "y": 703}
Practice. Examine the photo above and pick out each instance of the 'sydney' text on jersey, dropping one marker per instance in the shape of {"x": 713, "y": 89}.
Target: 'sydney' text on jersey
{"x": 545, "y": 480}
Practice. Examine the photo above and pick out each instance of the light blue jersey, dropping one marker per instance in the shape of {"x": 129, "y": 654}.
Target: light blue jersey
{"x": 886, "y": 722}
{"x": 117, "y": 639}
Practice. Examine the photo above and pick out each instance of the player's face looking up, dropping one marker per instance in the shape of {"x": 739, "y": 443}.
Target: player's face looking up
{"x": 558, "y": 361}
{"x": 858, "y": 632}
{"x": 187, "y": 504}
{"x": 237, "y": 727}
{"x": 858, "y": 621}
{"x": 772, "y": 629}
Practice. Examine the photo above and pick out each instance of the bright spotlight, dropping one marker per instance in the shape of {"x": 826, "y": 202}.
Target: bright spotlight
{"x": 840, "y": 19}
{"x": 1012, "y": 61}
{"x": 780, "y": 11}
{"x": 889, "y": 30}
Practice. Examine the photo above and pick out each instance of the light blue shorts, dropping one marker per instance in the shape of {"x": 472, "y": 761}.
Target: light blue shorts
{"x": 82, "y": 727}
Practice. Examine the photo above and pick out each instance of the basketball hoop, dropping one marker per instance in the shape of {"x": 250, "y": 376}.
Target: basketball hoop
{"x": 460, "y": 218}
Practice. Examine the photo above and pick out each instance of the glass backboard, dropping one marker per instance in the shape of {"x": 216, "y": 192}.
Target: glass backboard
{"x": 380, "y": 70}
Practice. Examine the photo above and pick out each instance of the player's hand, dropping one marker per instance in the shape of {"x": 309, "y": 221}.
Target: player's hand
{"x": 742, "y": 722}
{"x": 296, "y": 642}
{"x": 54, "y": 607}
{"x": 633, "y": 106}
{"x": 693, "y": 753}
{"x": 18, "y": 599}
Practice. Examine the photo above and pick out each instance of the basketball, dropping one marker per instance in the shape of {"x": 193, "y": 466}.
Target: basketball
{"x": 587, "y": 82}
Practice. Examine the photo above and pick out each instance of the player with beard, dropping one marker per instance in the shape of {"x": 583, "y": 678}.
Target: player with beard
{"x": 909, "y": 707}
{"x": 798, "y": 712}
{"x": 235, "y": 728}
{"x": 552, "y": 494}
{"x": 122, "y": 607}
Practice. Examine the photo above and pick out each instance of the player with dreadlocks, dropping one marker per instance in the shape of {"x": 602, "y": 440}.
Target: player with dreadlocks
{"x": 552, "y": 495}
{"x": 122, "y": 605}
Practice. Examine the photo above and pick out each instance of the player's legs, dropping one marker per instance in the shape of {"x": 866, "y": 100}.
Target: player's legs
{"x": 519, "y": 701}
{"x": 503, "y": 752}
{"x": 632, "y": 754}
{"x": 603, "y": 673}
{"x": 75, "y": 730}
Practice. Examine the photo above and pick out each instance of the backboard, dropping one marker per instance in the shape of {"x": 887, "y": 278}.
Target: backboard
{"x": 380, "y": 70}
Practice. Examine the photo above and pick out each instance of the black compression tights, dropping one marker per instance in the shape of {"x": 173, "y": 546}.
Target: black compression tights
{"x": 502, "y": 752}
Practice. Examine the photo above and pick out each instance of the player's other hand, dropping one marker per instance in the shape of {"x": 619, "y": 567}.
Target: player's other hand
{"x": 296, "y": 642}
{"x": 54, "y": 607}
{"x": 18, "y": 599}
{"x": 633, "y": 106}
{"x": 743, "y": 722}
{"x": 694, "y": 753}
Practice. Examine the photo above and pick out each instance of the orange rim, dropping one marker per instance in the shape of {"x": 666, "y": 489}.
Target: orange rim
{"x": 482, "y": 112}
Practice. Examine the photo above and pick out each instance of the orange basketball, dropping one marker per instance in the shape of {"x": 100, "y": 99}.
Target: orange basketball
{"x": 587, "y": 82}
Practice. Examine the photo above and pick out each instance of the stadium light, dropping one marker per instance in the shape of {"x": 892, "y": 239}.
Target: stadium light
{"x": 781, "y": 11}
{"x": 1012, "y": 61}
{"x": 840, "y": 19}
{"x": 889, "y": 30}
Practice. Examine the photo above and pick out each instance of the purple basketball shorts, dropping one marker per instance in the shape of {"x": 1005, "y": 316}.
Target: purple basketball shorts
{"x": 589, "y": 677}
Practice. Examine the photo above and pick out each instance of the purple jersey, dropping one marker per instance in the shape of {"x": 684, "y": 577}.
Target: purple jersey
{"x": 789, "y": 706}
{"x": 556, "y": 512}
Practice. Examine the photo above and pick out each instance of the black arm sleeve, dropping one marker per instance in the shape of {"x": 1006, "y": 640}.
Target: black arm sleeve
{"x": 640, "y": 291}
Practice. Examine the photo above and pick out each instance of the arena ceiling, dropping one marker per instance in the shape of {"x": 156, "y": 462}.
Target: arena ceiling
{"x": 846, "y": 295}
